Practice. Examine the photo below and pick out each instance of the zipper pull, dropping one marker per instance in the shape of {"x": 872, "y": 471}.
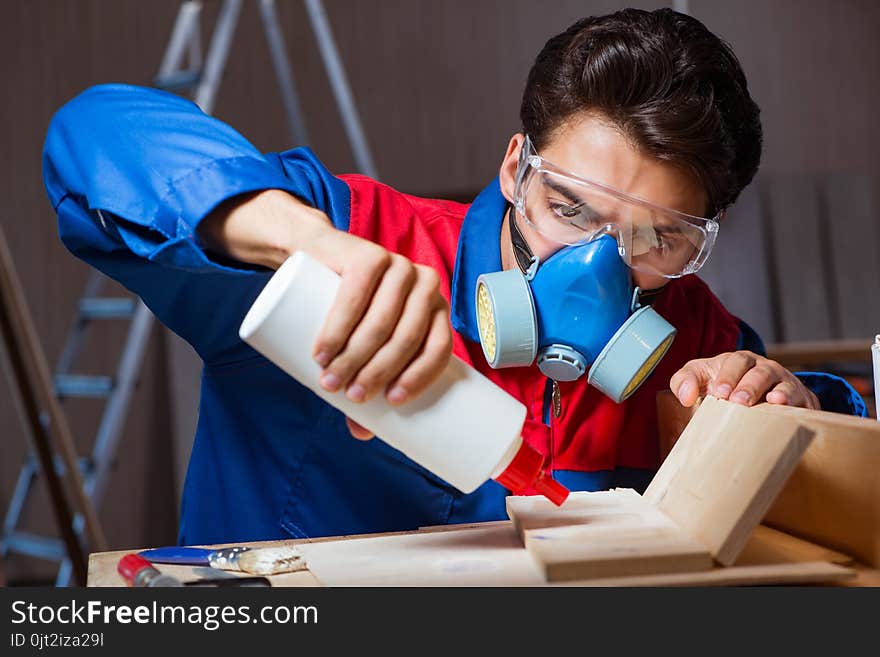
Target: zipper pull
{"x": 557, "y": 400}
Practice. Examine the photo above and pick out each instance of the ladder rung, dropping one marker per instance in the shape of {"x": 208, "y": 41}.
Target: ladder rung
{"x": 85, "y": 465}
{"x": 44, "y": 547}
{"x": 82, "y": 385}
{"x": 179, "y": 81}
{"x": 106, "y": 308}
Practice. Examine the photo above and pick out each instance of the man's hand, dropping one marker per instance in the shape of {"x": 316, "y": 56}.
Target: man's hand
{"x": 743, "y": 378}
{"x": 388, "y": 330}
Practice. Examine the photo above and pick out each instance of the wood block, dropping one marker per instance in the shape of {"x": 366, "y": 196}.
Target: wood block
{"x": 725, "y": 471}
{"x": 605, "y": 534}
{"x": 602, "y": 507}
{"x": 833, "y": 495}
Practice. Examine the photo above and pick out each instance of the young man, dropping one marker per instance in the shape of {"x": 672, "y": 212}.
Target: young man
{"x": 646, "y": 109}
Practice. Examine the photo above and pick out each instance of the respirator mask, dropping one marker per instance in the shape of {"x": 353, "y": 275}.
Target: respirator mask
{"x": 578, "y": 312}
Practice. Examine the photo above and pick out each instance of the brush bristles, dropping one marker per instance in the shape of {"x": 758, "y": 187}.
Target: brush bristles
{"x": 271, "y": 561}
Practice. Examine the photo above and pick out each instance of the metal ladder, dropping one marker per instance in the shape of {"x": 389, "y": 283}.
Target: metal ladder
{"x": 201, "y": 80}
{"x": 116, "y": 390}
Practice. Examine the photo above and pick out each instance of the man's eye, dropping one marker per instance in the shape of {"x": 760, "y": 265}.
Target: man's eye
{"x": 669, "y": 240}
{"x": 567, "y": 211}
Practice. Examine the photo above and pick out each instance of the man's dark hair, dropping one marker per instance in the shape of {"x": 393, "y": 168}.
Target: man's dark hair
{"x": 673, "y": 88}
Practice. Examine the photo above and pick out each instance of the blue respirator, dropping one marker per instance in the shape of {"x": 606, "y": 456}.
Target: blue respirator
{"x": 577, "y": 310}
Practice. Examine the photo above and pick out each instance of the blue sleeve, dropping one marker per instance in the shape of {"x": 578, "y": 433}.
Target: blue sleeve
{"x": 131, "y": 171}
{"x": 835, "y": 393}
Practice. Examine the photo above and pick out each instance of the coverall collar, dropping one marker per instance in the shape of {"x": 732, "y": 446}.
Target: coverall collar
{"x": 479, "y": 252}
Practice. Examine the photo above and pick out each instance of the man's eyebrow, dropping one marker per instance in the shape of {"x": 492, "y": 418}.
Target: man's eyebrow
{"x": 562, "y": 189}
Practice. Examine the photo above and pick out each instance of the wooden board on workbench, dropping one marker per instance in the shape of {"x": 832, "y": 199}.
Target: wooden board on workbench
{"x": 833, "y": 495}
{"x": 102, "y": 565}
{"x": 603, "y": 534}
{"x": 491, "y": 554}
{"x": 725, "y": 471}
{"x": 810, "y": 572}
{"x": 484, "y": 554}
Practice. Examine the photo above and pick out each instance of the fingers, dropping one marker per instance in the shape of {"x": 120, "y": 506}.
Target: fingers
{"x": 429, "y": 363}
{"x": 741, "y": 377}
{"x": 793, "y": 393}
{"x": 372, "y": 332}
{"x": 407, "y": 339}
{"x": 756, "y": 382}
{"x": 783, "y": 393}
{"x": 731, "y": 369}
{"x": 359, "y": 281}
{"x": 689, "y": 381}
{"x": 358, "y": 431}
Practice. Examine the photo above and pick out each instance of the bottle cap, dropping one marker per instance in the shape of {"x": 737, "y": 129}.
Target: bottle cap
{"x": 526, "y": 472}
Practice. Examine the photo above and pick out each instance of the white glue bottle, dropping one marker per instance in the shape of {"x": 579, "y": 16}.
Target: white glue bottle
{"x": 463, "y": 428}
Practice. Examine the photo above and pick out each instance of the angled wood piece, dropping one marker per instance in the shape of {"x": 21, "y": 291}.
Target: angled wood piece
{"x": 725, "y": 471}
{"x": 833, "y": 496}
{"x": 605, "y": 534}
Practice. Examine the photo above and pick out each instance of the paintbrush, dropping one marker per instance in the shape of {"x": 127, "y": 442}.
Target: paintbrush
{"x": 256, "y": 561}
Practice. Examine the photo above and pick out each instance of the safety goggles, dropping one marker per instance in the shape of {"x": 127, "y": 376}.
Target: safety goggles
{"x": 570, "y": 210}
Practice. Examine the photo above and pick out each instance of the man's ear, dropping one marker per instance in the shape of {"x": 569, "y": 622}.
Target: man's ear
{"x": 507, "y": 173}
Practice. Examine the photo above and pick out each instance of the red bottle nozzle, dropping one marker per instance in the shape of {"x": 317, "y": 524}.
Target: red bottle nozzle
{"x": 525, "y": 472}
{"x": 551, "y": 489}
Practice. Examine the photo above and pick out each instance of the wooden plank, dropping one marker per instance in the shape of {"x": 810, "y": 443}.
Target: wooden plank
{"x": 802, "y": 288}
{"x": 468, "y": 556}
{"x": 851, "y": 215}
{"x": 102, "y": 565}
{"x": 833, "y": 495}
{"x": 767, "y": 546}
{"x": 600, "y": 508}
{"x": 493, "y": 556}
{"x": 490, "y": 556}
{"x": 603, "y": 534}
{"x": 813, "y": 572}
{"x": 725, "y": 471}
{"x": 36, "y": 396}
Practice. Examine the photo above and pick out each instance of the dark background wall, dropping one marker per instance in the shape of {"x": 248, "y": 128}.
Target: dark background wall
{"x": 437, "y": 83}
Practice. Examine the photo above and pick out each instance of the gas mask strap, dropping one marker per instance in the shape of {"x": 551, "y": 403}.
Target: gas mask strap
{"x": 525, "y": 259}
{"x": 648, "y": 297}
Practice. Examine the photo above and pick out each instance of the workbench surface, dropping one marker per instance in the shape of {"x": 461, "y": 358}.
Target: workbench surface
{"x": 491, "y": 554}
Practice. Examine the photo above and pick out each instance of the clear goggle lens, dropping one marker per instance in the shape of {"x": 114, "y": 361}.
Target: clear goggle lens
{"x": 571, "y": 210}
